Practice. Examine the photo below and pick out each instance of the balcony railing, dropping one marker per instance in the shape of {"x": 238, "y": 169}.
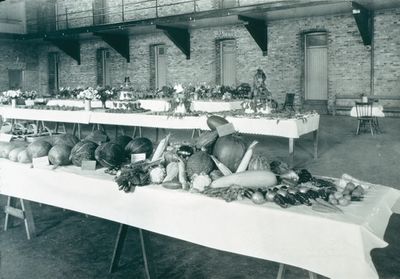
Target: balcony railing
{"x": 63, "y": 17}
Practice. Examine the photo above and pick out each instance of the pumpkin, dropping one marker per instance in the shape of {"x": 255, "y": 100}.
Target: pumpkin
{"x": 83, "y": 150}
{"x": 24, "y": 157}
{"x": 199, "y": 162}
{"x": 38, "y": 148}
{"x": 7, "y": 147}
{"x": 214, "y": 121}
{"x": 229, "y": 150}
{"x": 65, "y": 139}
{"x": 109, "y": 154}
{"x": 122, "y": 140}
{"x": 139, "y": 145}
{"x": 59, "y": 155}
{"x": 13, "y": 155}
{"x": 258, "y": 163}
{"x": 97, "y": 136}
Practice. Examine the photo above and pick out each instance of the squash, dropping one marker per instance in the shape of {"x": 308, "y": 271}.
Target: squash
{"x": 38, "y": 148}
{"x": 98, "y": 137}
{"x": 109, "y": 155}
{"x": 139, "y": 145}
{"x": 206, "y": 139}
{"x": 13, "y": 155}
{"x": 258, "y": 162}
{"x": 65, "y": 139}
{"x": 229, "y": 150}
{"x": 59, "y": 155}
{"x": 122, "y": 140}
{"x": 24, "y": 157}
{"x": 83, "y": 150}
{"x": 251, "y": 179}
{"x": 214, "y": 121}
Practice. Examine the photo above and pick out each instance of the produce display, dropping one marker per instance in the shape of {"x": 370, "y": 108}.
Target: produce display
{"x": 226, "y": 167}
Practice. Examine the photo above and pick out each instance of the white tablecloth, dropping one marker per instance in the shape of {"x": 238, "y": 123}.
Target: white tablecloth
{"x": 334, "y": 245}
{"x": 377, "y": 111}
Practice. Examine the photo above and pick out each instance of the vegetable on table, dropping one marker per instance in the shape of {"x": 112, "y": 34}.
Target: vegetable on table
{"x": 256, "y": 179}
{"x": 158, "y": 153}
{"x": 222, "y": 168}
{"x": 247, "y": 157}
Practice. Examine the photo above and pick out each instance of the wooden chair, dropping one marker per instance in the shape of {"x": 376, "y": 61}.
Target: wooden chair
{"x": 364, "y": 116}
{"x": 289, "y": 101}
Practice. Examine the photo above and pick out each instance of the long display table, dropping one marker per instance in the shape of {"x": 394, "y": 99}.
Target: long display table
{"x": 334, "y": 245}
{"x": 288, "y": 128}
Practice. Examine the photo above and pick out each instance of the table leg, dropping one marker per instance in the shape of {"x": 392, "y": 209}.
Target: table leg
{"x": 315, "y": 138}
{"x": 312, "y": 275}
{"x": 25, "y": 213}
{"x": 149, "y": 266}
{"x": 119, "y": 245}
{"x": 28, "y": 220}
{"x": 291, "y": 152}
{"x": 281, "y": 271}
{"x": 11, "y": 203}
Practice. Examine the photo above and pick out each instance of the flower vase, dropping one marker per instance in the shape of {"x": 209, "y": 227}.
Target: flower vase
{"x": 364, "y": 99}
{"x": 88, "y": 105}
{"x": 13, "y": 103}
{"x": 103, "y": 104}
{"x": 181, "y": 109}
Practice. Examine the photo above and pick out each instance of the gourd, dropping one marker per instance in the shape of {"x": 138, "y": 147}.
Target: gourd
{"x": 229, "y": 150}
{"x": 38, "y": 149}
{"x": 59, "y": 155}
{"x": 13, "y": 155}
{"x": 214, "y": 121}
{"x": 24, "y": 157}
{"x": 258, "y": 162}
{"x": 139, "y": 145}
{"x": 83, "y": 150}
{"x": 109, "y": 155}
{"x": 65, "y": 139}
{"x": 251, "y": 179}
{"x": 206, "y": 139}
{"x": 8, "y": 147}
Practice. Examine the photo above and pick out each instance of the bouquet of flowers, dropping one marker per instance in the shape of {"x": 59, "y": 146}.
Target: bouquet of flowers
{"x": 180, "y": 102}
{"x": 12, "y": 94}
{"x": 87, "y": 94}
{"x": 203, "y": 91}
{"x": 29, "y": 94}
{"x": 105, "y": 93}
{"x": 64, "y": 92}
{"x": 76, "y": 91}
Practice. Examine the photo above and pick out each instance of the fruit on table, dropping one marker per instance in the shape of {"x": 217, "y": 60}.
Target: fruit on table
{"x": 38, "y": 148}
{"x": 59, "y": 155}
{"x": 157, "y": 174}
{"x": 199, "y": 162}
{"x": 249, "y": 179}
{"x": 83, "y": 150}
{"x": 65, "y": 139}
{"x": 214, "y": 121}
{"x": 139, "y": 145}
{"x": 258, "y": 162}
{"x": 110, "y": 155}
{"x": 258, "y": 198}
{"x": 13, "y": 155}
{"x": 24, "y": 157}
{"x": 97, "y": 136}
{"x": 229, "y": 150}
{"x": 206, "y": 139}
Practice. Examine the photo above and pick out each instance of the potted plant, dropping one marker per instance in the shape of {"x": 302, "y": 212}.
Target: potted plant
{"x": 13, "y": 95}
{"x": 87, "y": 95}
{"x": 105, "y": 93}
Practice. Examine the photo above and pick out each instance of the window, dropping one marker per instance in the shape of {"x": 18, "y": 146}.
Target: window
{"x": 103, "y": 67}
{"x": 53, "y": 64}
{"x": 158, "y": 66}
{"x": 227, "y": 62}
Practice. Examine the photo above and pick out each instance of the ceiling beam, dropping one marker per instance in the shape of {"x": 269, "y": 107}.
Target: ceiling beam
{"x": 71, "y": 47}
{"x": 119, "y": 42}
{"x": 258, "y": 30}
{"x": 179, "y": 36}
{"x": 364, "y": 19}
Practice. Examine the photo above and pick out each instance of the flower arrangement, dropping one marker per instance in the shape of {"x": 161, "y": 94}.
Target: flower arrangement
{"x": 87, "y": 94}
{"x": 64, "y": 92}
{"x": 12, "y": 94}
{"x": 76, "y": 91}
{"x": 180, "y": 102}
{"x": 105, "y": 93}
{"x": 29, "y": 94}
{"x": 203, "y": 91}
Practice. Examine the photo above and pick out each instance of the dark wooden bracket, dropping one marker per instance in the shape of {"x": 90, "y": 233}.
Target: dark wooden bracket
{"x": 71, "y": 47}
{"x": 119, "y": 42}
{"x": 179, "y": 36}
{"x": 258, "y": 30}
{"x": 364, "y": 19}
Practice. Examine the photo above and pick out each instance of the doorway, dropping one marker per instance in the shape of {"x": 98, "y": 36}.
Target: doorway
{"x": 316, "y": 67}
{"x": 228, "y": 62}
{"x": 15, "y": 79}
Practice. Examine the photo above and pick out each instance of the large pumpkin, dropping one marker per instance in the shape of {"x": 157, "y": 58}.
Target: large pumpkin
{"x": 199, "y": 162}
{"x": 109, "y": 154}
{"x": 83, "y": 150}
{"x": 229, "y": 150}
{"x": 139, "y": 145}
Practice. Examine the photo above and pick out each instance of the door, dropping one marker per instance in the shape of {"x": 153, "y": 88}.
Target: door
{"x": 99, "y": 12}
{"x": 53, "y": 64}
{"x": 15, "y": 79}
{"x": 103, "y": 67}
{"x": 316, "y": 67}
{"x": 160, "y": 66}
{"x": 228, "y": 62}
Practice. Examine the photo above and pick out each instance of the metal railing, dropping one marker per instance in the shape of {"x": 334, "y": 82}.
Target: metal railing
{"x": 61, "y": 18}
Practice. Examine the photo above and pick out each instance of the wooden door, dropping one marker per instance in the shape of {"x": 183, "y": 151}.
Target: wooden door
{"x": 228, "y": 62}
{"x": 316, "y": 67}
{"x": 103, "y": 57}
{"x": 160, "y": 66}
{"x": 15, "y": 79}
{"x": 53, "y": 70}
